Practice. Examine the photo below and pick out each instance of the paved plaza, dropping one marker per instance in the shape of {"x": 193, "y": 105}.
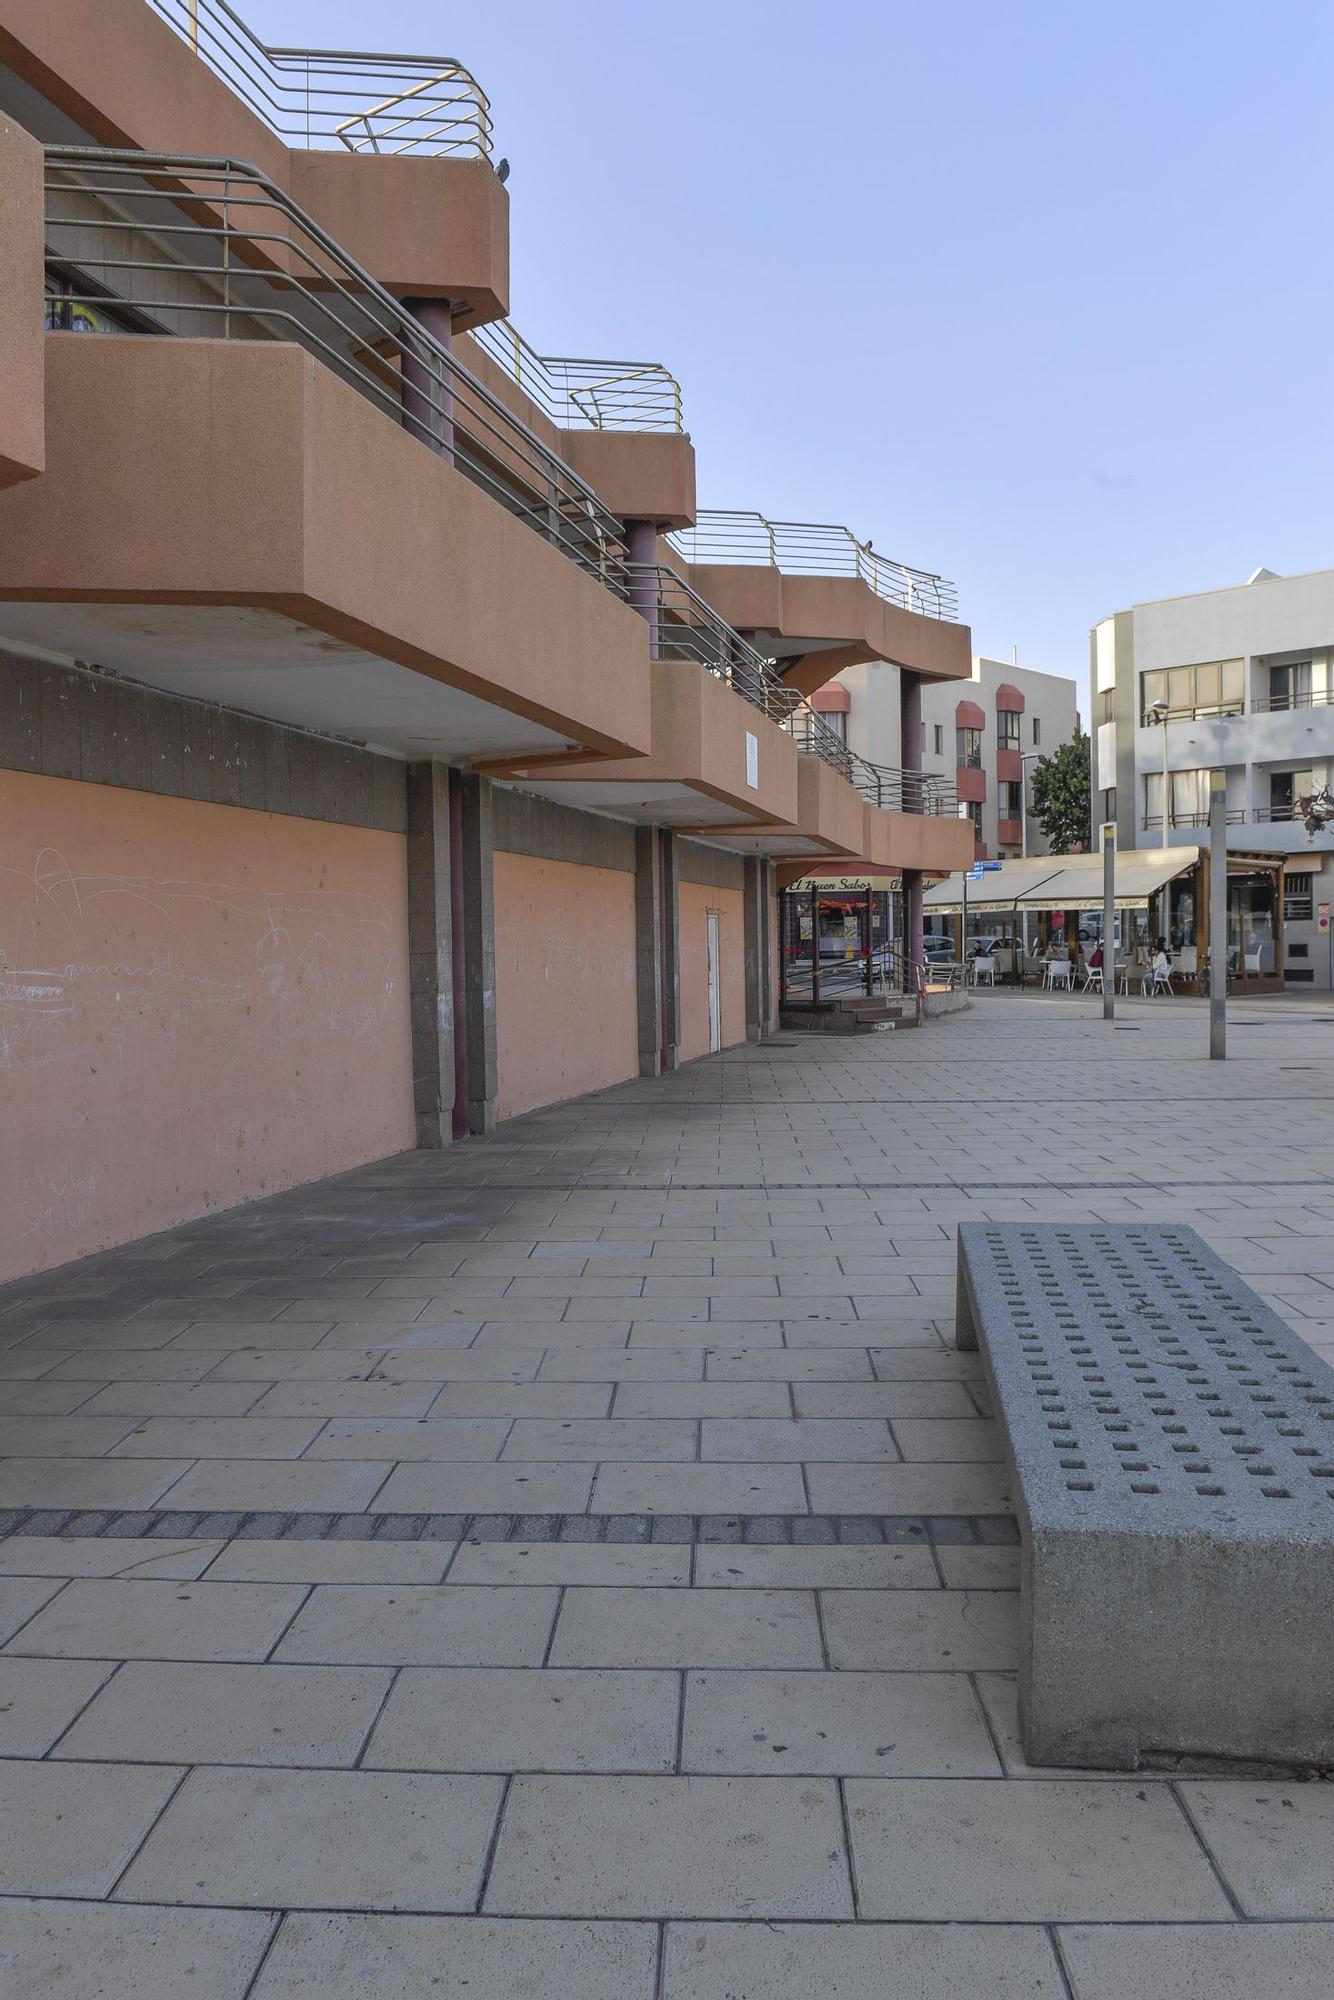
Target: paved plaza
{"x": 578, "y": 1566}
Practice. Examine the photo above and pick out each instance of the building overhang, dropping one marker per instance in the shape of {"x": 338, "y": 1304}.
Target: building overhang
{"x": 227, "y": 519}
{"x": 22, "y": 395}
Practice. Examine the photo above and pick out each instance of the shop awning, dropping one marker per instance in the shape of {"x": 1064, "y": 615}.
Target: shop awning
{"x": 1063, "y": 882}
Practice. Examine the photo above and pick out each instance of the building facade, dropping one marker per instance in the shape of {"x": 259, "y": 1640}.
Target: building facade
{"x": 389, "y": 745}
{"x": 982, "y": 736}
{"x": 1241, "y": 680}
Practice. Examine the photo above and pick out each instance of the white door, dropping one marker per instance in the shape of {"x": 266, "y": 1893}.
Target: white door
{"x": 715, "y": 983}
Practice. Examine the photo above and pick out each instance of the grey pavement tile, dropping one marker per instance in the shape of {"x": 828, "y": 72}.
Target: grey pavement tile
{"x": 168, "y": 1712}
{"x": 115, "y": 1555}
{"x": 61, "y": 1437}
{"x": 909, "y": 1489}
{"x": 897, "y": 1567}
{"x": 422, "y": 1625}
{"x": 665, "y": 1847}
{"x": 519, "y": 1719}
{"x": 39, "y": 1699}
{"x": 751, "y": 1440}
{"x": 522, "y": 1399}
{"x": 364, "y": 1840}
{"x": 410, "y": 1438}
{"x": 219, "y": 1437}
{"x": 70, "y": 1829}
{"x": 20, "y": 1598}
{"x": 272, "y": 1365}
{"x": 148, "y": 1618}
{"x": 301, "y": 1561}
{"x": 463, "y": 1364}
{"x": 341, "y": 1399}
{"x": 87, "y": 1482}
{"x": 221, "y": 1485}
{"x": 975, "y": 1568}
{"x": 1273, "y": 1842}
{"x": 698, "y": 1489}
{"x": 531, "y": 1487}
{"x": 789, "y": 1364}
{"x": 99, "y": 1365}
{"x": 883, "y": 1399}
{"x": 884, "y": 1725}
{"x": 640, "y": 1564}
{"x": 702, "y": 1399}
{"x": 568, "y": 1437}
{"x": 960, "y": 1631}
{"x": 47, "y": 1399}
{"x": 926, "y": 1364}
{"x": 1199, "y": 1961}
{"x": 611, "y": 1627}
{"x": 907, "y": 1961}
{"x": 291, "y": 1337}
{"x": 974, "y": 1851}
{"x": 949, "y": 1441}
{"x": 171, "y": 1399}
{"x": 617, "y": 1364}
{"x": 458, "y": 1958}
{"x": 99, "y": 1951}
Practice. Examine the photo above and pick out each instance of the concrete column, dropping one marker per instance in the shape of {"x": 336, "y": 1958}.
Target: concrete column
{"x": 648, "y": 949}
{"x": 479, "y": 933}
{"x": 428, "y": 402}
{"x": 910, "y": 734}
{"x": 755, "y": 919}
{"x": 641, "y": 541}
{"x": 430, "y": 981}
{"x": 912, "y": 914}
{"x": 670, "y": 962}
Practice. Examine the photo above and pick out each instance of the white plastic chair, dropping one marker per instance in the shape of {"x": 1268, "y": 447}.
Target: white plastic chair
{"x": 1093, "y": 979}
{"x": 1058, "y": 973}
{"x": 984, "y": 968}
{"x": 1161, "y": 982}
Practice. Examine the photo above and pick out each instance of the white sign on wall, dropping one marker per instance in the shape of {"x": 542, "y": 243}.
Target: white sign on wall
{"x": 752, "y": 761}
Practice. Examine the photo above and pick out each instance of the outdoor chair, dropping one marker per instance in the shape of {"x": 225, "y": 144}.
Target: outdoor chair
{"x": 983, "y": 968}
{"x": 1093, "y": 979}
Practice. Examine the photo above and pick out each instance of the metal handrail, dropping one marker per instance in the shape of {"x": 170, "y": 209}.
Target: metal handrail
{"x": 883, "y": 785}
{"x": 586, "y": 395}
{"x": 686, "y": 628}
{"x": 369, "y": 103}
{"x": 167, "y": 244}
{"x": 813, "y": 548}
{"x": 1274, "y": 704}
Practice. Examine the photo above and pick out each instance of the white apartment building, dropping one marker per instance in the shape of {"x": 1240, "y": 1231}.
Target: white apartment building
{"x": 1247, "y": 675}
{"x": 984, "y": 735}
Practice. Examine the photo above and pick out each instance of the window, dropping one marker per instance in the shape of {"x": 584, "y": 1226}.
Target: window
{"x": 969, "y": 748}
{"x": 939, "y": 728}
{"x": 1215, "y": 687}
{"x": 1010, "y": 803}
{"x": 1037, "y": 730}
{"x": 1290, "y": 685}
{"x": 1285, "y": 788}
{"x": 70, "y": 306}
{"x": 1298, "y": 905}
{"x": 836, "y": 719}
{"x": 975, "y": 815}
{"x": 1190, "y": 798}
{"x": 1008, "y": 722}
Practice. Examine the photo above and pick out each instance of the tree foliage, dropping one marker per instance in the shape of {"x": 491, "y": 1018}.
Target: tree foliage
{"x": 1062, "y": 795}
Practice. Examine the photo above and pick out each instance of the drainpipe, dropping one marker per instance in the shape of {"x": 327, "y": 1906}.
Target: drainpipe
{"x": 428, "y": 399}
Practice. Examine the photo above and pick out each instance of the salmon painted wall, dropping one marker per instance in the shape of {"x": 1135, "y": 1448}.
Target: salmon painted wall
{"x": 695, "y": 902}
{"x": 565, "y": 980}
{"x": 198, "y": 1005}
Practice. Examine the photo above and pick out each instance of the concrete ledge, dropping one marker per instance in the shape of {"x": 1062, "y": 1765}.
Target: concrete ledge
{"x": 1171, "y": 1444}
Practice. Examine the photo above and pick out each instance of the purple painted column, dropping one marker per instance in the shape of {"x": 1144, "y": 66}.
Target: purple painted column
{"x": 641, "y": 542}
{"x": 428, "y": 401}
{"x": 910, "y": 759}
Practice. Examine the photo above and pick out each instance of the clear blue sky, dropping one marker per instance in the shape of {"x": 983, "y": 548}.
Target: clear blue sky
{"x": 1037, "y": 295}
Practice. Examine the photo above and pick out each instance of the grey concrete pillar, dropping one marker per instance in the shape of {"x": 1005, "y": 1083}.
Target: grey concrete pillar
{"x": 913, "y": 914}
{"x": 648, "y": 949}
{"x": 428, "y": 392}
{"x": 430, "y": 980}
{"x": 479, "y": 934}
{"x": 671, "y": 951}
{"x": 757, "y": 911}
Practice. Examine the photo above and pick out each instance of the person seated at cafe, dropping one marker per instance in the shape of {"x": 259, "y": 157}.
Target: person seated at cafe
{"x": 1095, "y": 958}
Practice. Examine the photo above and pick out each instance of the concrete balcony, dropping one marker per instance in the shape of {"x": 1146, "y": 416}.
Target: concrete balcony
{"x": 816, "y": 600}
{"x": 22, "y": 396}
{"x": 261, "y": 534}
{"x": 426, "y": 214}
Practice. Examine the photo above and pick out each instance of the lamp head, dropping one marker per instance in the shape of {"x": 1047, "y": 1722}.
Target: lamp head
{"x": 1160, "y": 709}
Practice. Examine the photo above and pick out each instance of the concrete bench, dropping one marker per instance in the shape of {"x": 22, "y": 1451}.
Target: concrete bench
{"x": 1171, "y": 1446}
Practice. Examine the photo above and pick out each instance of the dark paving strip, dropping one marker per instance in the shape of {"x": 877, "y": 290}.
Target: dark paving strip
{"x": 803, "y": 1530}
{"x": 664, "y": 1184}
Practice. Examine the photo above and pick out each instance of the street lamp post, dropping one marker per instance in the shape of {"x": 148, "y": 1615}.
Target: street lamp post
{"x": 1160, "y": 709}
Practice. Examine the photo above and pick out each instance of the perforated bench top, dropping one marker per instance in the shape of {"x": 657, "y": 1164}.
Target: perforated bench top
{"x": 1145, "y": 1386}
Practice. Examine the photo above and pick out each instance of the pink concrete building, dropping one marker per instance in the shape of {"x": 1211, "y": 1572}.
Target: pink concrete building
{"x": 387, "y": 745}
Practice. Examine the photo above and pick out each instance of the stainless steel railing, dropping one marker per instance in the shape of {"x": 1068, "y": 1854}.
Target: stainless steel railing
{"x": 813, "y": 548}
{"x": 163, "y": 244}
{"x": 686, "y": 628}
{"x": 586, "y": 395}
{"x": 881, "y": 785}
{"x": 339, "y": 97}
